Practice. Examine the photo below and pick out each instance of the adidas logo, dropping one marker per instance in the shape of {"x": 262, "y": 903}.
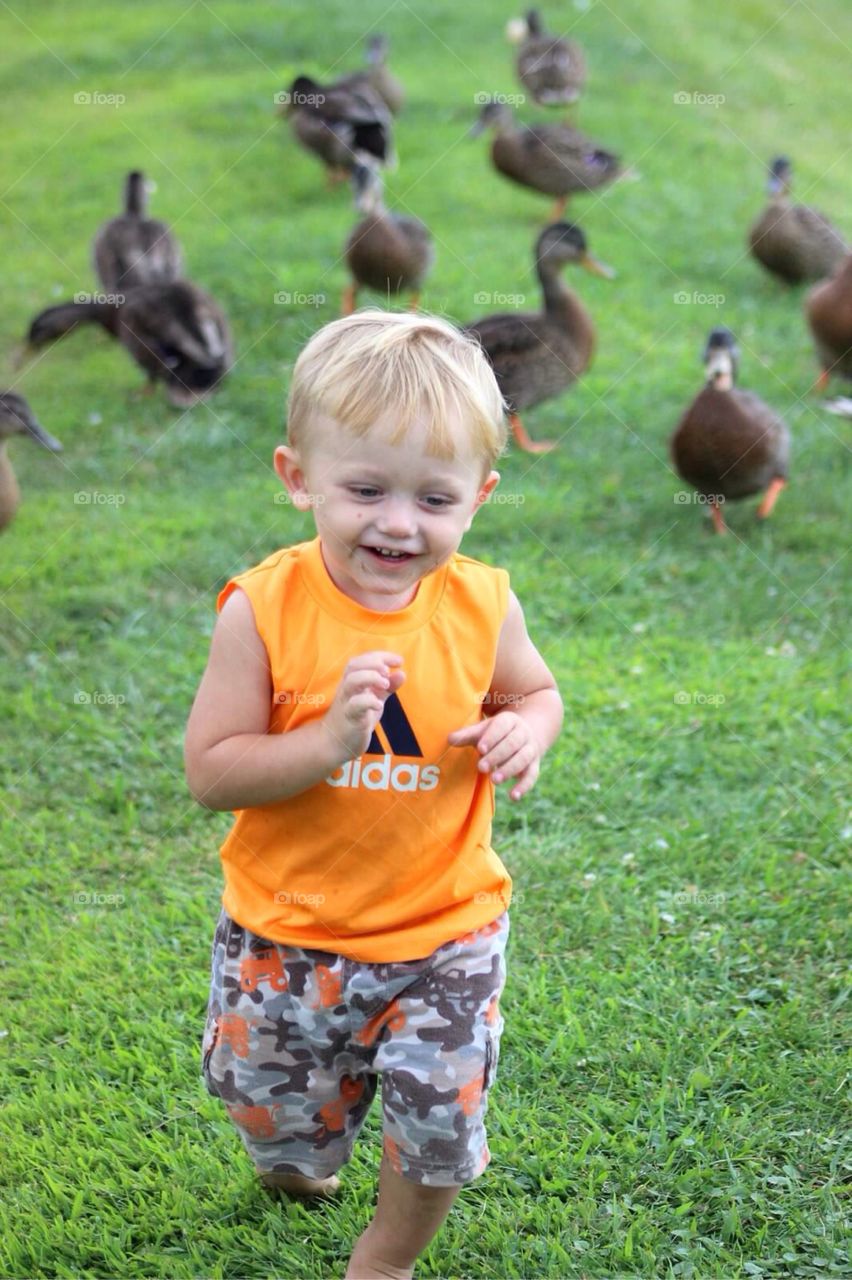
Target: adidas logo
{"x": 393, "y": 736}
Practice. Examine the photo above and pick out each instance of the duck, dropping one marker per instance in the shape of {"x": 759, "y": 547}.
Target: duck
{"x": 537, "y": 355}
{"x": 377, "y": 75}
{"x": 342, "y": 124}
{"x": 555, "y": 159}
{"x": 793, "y": 241}
{"x": 828, "y": 307}
{"x": 17, "y": 419}
{"x": 388, "y": 252}
{"x": 729, "y": 444}
{"x": 175, "y": 332}
{"x": 550, "y": 68}
{"x": 133, "y": 248}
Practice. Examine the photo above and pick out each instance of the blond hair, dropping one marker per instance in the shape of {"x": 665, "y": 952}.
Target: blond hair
{"x": 355, "y": 369}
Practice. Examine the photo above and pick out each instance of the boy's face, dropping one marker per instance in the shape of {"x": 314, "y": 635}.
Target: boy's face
{"x": 370, "y": 496}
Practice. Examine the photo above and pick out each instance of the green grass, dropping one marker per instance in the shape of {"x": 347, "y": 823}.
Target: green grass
{"x": 671, "y": 1076}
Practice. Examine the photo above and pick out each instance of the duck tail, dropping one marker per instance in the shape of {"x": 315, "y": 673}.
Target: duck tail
{"x": 54, "y": 322}
{"x": 135, "y": 198}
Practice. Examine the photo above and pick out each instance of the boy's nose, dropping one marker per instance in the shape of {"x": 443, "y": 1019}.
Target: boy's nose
{"x": 397, "y": 520}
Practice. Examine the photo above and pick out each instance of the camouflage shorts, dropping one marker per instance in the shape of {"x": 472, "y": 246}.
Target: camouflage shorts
{"x": 296, "y": 1041}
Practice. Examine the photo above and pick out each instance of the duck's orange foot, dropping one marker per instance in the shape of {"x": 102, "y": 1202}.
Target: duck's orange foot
{"x": 525, "y": 441}
{"x": 822, "y": 381}
{"x": 717, "y": 517}
{"x": 557, "y": 213}
{"x": 770, "y": 498}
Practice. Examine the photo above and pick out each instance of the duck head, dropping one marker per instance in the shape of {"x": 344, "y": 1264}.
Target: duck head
{"x": 494, "y": 115}
{"x": 721, "y": 359}
{"x": 18, "y": 419}
{"x": 376, "y": 51}
{"x": 780, "y": 177}
{"x": 564, "y": 242}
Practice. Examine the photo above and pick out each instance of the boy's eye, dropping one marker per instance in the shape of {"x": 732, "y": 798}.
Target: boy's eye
{"x": 435, "y": 501}
{"x": 364, "y": 491}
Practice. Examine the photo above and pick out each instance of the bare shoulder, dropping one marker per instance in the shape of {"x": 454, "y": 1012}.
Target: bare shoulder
{"x": 519, "y": 668}
{"x": 236, "y": 688}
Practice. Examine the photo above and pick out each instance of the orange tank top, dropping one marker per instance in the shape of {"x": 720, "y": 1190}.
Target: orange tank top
{"x": 390, "y": 856}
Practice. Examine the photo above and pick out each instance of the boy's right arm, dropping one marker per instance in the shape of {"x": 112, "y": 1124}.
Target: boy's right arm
{"x": 231, "y": 760}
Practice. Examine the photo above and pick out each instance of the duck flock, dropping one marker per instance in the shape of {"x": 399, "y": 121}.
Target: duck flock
{"x": 729, "y": 444}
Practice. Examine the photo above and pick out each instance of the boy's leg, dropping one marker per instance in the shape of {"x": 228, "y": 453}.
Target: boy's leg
{"x": 407, "y": 1217}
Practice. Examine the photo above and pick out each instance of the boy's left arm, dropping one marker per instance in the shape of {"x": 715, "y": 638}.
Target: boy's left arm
{"x": 523, "y": 713}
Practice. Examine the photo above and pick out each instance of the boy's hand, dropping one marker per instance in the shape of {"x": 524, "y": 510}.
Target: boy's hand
{"x": 368, "y": 681}
{"x": 508, "y": 747}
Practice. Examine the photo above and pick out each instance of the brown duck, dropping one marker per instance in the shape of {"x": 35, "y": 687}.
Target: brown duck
{"x": 343, "y": 125}
{"x": 551, "y": 68}
{"x": 555, "y": 159}
{"x": 536, "y": 356}
{"x": 388, "y": 252}
{"x": 793, "y": 241}
{"x": 133, "y": 248}
{"x": 729, "y": 444}
{"x": 176, "y": 332}
{"x": 17, "y": 419}
{"x": 828, "y": 307}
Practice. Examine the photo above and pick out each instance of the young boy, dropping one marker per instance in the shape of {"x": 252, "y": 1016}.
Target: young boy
{"x": 364, "y": 693}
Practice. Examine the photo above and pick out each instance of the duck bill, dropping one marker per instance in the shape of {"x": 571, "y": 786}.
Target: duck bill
{"x": 596, "y": 268}
{"x": 38, "y": 433}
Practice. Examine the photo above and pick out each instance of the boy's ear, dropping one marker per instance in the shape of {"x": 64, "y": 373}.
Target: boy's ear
{"x": 487, "y": 487}
{"x": 288, "y": 467}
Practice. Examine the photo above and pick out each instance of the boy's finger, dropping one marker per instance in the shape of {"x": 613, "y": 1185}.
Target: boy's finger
{"x": 468, "y": 735}
{"x": 526, "y": 781}
{"x": 515, "y": 764}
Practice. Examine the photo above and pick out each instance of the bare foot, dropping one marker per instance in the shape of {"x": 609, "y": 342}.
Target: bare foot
{"x": 296, "y": 1184}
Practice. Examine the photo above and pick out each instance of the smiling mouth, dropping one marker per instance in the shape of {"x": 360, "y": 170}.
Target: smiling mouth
{"x": 387, "y": 556}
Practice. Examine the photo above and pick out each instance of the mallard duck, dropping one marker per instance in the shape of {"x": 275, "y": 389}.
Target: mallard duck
{"x": 341, "y": 124}
{"x": 793, "y": 241}
{"x": 17, "y": 419}
{"x": 551, "y": 68}
{"x": 537, "y": 355}
{"x": 388, "y": 252}
{"x": 175, "y": 332}
{"x": 378, "y": 76}
{"x": 828, "y": 307}
{"x": 132, "y": 248}
{"x": 729, "y": 444}
{"x": 552, "y": 158}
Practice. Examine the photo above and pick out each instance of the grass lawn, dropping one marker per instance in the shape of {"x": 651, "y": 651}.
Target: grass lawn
{"x": 671, "y": 1076}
